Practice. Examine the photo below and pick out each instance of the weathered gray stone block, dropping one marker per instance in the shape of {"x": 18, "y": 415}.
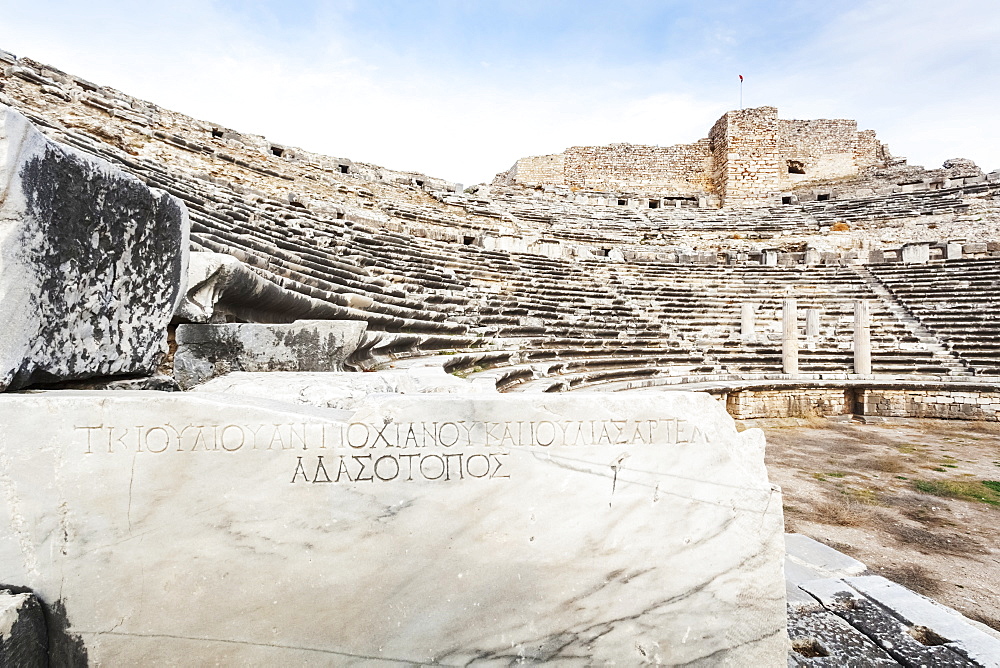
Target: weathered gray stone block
{"x": 91, "y": 263}
{"x": 23, "y": 640}
{"x": 206, "y": 351}
{"x": 913, "y": 629}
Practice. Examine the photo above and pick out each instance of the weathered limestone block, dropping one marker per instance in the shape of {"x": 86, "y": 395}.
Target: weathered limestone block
{"x": 91, "y": 263}
{"x": 206, "y": 351}
{"x": 419, "y": 529}
{"x": 220, "y": 286}
{"x": 342, "y": 390}
{"x": 209, "y": 276}
{"x": 914, "y": 630}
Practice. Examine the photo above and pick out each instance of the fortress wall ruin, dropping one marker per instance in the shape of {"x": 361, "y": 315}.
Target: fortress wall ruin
{"x": 825, "y": 149}
{"x": 539, "y": 169}
{"x": 749, "y": 157}
{"x": 746, "y": 155}
{"x": 684, "y": 169}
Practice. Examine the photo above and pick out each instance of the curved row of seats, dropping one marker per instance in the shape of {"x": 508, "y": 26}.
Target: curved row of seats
{"x": 527, "y": 321}
{"x": 957, "y": 300}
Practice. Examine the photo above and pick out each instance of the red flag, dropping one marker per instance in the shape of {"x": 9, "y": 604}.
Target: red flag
{"x": 741, "y": 78}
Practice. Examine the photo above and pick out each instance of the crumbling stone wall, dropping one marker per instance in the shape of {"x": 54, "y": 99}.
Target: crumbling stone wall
{"x": 748, "y": 159}
{"x": 825, "y": 149}
{"x": 537, "y": 169}
{"x": 683, "y": 170}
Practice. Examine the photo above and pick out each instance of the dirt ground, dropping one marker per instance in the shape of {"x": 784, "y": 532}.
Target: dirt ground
{"x": 906, "y": 497}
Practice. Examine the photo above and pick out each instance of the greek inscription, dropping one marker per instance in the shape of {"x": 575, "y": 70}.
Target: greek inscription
{"x": 401, "y": 452}
{"x": 363, "y": 467}
{"x": 319, "y": 468}
{"x": 402, "y": 466}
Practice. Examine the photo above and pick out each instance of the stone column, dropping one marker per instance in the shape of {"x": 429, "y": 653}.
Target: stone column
{"x": 862, "y": 339}
{"x": 747, "y": 325}
{"x": 789, "y": 338}
{"x": 812, "y": 323}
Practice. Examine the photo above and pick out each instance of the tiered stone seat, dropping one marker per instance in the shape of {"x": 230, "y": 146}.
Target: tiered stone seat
{"x": 958, "y": 301}
{"x": 600, "y": 224}
{"x": 896, "y": 205}
{"x": 575, "y": 323}
{"x": 404, "y": 262}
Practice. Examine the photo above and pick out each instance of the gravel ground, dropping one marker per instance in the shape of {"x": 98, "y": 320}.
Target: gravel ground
{"x": 905, "y": 497}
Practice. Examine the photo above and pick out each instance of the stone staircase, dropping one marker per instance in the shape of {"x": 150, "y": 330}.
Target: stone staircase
{"x": 942, "y": 354}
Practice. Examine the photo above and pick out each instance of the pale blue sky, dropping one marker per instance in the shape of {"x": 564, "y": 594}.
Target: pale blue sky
{"x": 462, "y": 89}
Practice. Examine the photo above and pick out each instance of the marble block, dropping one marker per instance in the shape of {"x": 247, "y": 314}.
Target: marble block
{"x": 341, "y": 390}
{"x": 92, "y": 263}
{"x": 418, "y": 529}
{"x": 205, "y": 351}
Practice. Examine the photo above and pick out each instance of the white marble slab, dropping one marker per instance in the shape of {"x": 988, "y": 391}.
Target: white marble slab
{"x": 578, "y": 530}
{"x": 344, "y": 390}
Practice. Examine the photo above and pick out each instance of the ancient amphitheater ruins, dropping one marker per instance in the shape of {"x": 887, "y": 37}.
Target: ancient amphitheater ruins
{"x": 268, "y": 407}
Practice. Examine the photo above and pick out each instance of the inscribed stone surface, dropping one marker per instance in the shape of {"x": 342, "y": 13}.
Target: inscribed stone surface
{"x": 416, "y": 529}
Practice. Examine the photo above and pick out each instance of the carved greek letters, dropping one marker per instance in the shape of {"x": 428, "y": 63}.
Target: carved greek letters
{"x": 401, "y": 466}
{"x": 438, "y": 451}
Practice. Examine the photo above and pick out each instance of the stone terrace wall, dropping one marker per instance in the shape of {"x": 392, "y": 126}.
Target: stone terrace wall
{"x": 684, "y": 169}
{"x": 547, "y": 169}
{"x": 826, "y": 149}
{"x": 782, "y": 403}
{"x": 958, "y": 403}
{"x": 933, "y": 403}
{"x": 746, "y": 154}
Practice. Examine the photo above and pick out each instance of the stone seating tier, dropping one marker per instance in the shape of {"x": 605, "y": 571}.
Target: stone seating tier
{"x": 957, "y": 301}
{"x": 360, "y": 259}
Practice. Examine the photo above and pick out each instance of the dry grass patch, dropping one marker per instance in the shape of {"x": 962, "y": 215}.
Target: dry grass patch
{"x": 882, "y": 464}
{"x": 845, "y": 512}
{"x": 935, "y": 542}
{"x": 985, "y": 491}
{"x": 912, "y": 576}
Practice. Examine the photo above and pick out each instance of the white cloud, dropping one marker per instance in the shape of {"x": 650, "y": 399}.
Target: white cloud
{"x": 921, "y": 73}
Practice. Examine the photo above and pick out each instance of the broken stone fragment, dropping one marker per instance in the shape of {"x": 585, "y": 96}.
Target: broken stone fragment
{"x": 23, "y": 640}
{"x": 205, "y": 351}
{"x": 92, "y": 263}
{"x": 962, "y": 168}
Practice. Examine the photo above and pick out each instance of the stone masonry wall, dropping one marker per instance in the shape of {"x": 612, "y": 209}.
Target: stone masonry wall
{"x": 825, "y": 149}
{"x": 971, "y": 405}
{"x": 749, "y": 158}
{"x": 748, "y": 405}
{"x": 957, "y": 404}
{"x": 546, "y": 169}
{"x": 746, "y": 155}
{"x": 684, "y": 169}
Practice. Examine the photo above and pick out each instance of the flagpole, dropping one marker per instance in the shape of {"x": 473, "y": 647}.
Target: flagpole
{"x": 741, "y": 92}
